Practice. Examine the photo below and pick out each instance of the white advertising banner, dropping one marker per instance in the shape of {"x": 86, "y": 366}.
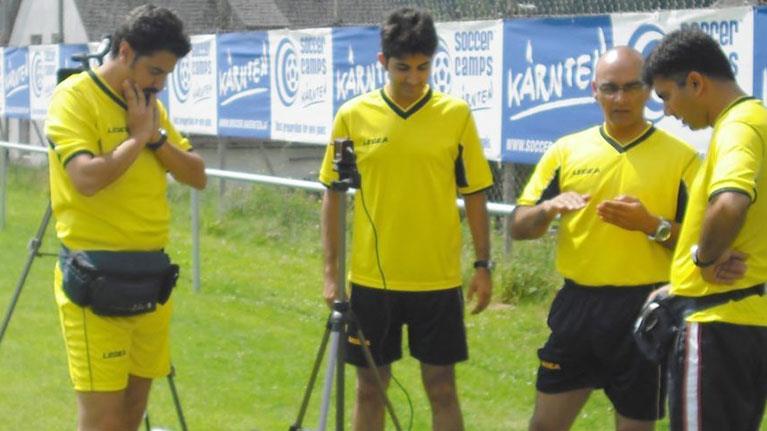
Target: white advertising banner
{"x": 468, "y": 64}
{"x": 2, "y": 82}
{"x": 43, "y": 63}
{"x": 302, "y": 83}
{"x": 732, "y": 28}
{"x": 192, "y": 87}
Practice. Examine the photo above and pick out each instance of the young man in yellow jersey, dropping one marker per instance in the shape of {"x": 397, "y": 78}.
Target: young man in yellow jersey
{"x": 111, "y": 144}
{"x": 620, "y": 189}
{"x": 416, "y": 150}
{"x": 717, "y": 377}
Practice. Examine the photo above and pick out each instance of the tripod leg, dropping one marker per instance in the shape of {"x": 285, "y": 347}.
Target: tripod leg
{"x": 312, "y": 379}
{"x": 340, "y": 385}
{"x": 328, "y": 386}
{"x": 176, "y": 400}
{"x": 34, "y": 247}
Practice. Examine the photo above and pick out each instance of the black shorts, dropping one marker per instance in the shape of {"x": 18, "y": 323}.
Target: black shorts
{"x": 436, "y": 333}
{"x": 591, "y": 346}
{"x": 718, "y": 377}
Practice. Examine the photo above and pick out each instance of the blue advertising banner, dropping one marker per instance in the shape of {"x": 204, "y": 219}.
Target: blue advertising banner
{"x": 356, "y": 69}
{"x": 760, "y": 53}
{"x": 16, "y": 82}
{"x": 244, "y": 97}
{"x": 548, "y": 68}
{"x": 67, "y": 51}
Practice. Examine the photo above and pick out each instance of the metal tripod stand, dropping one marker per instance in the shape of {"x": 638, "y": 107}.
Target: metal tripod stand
{"x": 36, "y": 242}
{"x": 341, "y": 315}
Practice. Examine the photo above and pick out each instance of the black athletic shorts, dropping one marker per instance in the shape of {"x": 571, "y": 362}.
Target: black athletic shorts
{"x": 591, "y": 346}
{"x": 718, "y": 377}
{"x": 434, "y": 319}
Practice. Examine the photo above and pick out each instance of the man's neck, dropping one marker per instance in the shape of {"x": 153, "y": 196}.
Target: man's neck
{"x": 722, "y": 96}
{"x": 113, "y": 75}
{"x": 403, "y": 101}
{"x": 626, "y": 134}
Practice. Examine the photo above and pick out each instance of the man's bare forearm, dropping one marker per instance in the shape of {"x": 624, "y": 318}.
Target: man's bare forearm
{"x": 185, "y": 166}
{"x": 724, "y": 218}
{"x": 530, "y": 222}
{"x": 479, "y": 224}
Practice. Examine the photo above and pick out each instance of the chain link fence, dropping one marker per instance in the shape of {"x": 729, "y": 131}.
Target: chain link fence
{"x": 452, "y": 10}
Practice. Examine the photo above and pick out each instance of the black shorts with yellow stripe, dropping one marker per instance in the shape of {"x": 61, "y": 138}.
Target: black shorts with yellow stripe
{"x": 591, "y": 346}
{"x": 434, "y": 319}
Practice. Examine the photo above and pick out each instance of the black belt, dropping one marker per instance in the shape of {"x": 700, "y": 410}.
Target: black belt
{"x": 689, "y": 304}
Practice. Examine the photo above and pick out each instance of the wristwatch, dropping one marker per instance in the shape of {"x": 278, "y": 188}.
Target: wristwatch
{"x": 697, "y": 262}
{"x": 160, "y": 142}
{"x": 484, "y": 263}
{"x": 663, "y": 232}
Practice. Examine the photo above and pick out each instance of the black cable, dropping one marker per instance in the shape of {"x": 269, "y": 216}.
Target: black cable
{"x": 386, "y": 302}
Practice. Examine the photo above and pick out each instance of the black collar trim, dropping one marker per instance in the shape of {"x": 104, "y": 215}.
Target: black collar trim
{"x": 106, "y": 89}
{"x": 409, "y": 112}
{"x": 621, "y": 148}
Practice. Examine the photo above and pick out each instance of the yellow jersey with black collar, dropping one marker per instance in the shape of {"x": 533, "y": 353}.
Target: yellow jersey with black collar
{"x": 655, "y": 168}
{"x": 735, "y": 161}
{"x": 413, "y": 162}
{"x": 86, "y": 116}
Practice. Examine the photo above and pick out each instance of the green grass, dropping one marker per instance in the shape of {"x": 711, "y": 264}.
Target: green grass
{"x": 243, "y": 346}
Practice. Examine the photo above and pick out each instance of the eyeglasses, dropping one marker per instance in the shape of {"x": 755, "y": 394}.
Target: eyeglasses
{"x": 611, "y": 89}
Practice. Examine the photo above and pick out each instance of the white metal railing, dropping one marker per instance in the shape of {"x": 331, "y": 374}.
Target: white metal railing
{"x": 493, "y": 208}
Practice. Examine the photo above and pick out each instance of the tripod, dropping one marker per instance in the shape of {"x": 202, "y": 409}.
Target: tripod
{"x": 37, "y": 240}
{"x": 341, "y": 313}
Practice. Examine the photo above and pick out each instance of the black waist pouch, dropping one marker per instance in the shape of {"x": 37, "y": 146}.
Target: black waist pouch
{"x": 662, "y": 318}
{"x": 117, "y": 283}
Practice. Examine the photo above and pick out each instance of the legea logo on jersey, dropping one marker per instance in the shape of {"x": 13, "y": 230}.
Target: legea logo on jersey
{"x": 287, "y": 73}
{"x": 182, "y": 79}
{"x": 538, "y": 86}
{"x": 644, "y": 39}
{"x": 441, "y": 73}
{"x": 354, "y": 79}
{"x": 237, "y": 81}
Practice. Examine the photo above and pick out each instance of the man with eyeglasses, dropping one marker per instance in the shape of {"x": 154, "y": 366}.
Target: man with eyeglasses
{"x": 620, "y": 189}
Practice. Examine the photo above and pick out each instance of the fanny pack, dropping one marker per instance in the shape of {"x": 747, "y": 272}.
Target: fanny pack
{"x": 117, "y": 283}
{"x": 661, "y": 319}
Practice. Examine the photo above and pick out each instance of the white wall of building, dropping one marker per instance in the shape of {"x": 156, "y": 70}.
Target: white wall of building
{"x": 42, "y": 17}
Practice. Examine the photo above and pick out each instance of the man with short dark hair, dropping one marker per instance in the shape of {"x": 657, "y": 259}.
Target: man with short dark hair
{"x": 620, "y": 205}
{"x": 111, "y": 144}
{"x": 717, "y": 377}
{"x": 416, "y": 149}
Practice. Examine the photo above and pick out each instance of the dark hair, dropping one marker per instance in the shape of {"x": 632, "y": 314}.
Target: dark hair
{"x": 684, "y": 51}
{"x": 149, "y": 29}
{"x": 408, "y": 31}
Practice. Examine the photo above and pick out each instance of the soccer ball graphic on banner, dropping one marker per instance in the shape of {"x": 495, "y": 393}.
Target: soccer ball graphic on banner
{"x": 441, "y": 77}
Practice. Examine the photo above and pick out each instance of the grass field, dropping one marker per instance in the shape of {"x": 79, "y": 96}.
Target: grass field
{"x": 244, "y": 345}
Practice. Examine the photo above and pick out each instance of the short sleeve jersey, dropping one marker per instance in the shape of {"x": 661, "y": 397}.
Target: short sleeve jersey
{"x": 735, "y": 161}
{"x": 655, "y": 168}
{"x": 413, "y": 163}
{"x": 86, "y": 116}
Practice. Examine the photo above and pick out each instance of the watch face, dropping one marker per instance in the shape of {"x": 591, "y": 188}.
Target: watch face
{"x": 663, "y": 233}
